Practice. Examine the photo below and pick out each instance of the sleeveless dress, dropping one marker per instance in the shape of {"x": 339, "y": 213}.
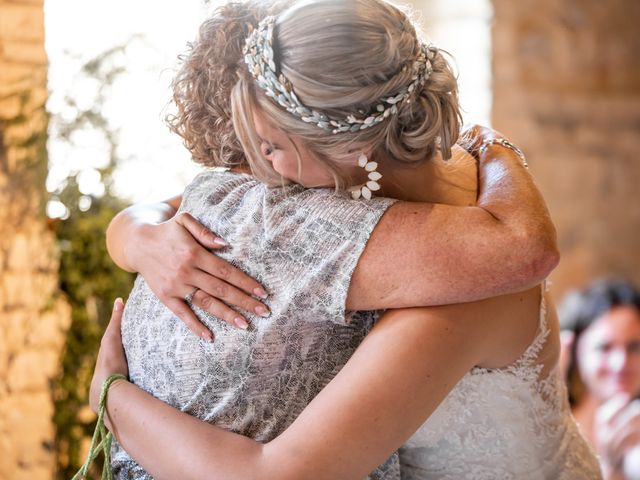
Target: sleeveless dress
{"x": 512, "y": 423}
{"x": 303, "y": 246}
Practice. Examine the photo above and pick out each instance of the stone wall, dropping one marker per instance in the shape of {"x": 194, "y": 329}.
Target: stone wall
{"x": 33, "y": 318}
{"x": 566, "y": 87}
{"x": 462, "y": 28}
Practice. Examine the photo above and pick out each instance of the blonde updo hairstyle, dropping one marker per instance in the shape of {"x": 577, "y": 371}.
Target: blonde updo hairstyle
{"x": 341, "y": 58}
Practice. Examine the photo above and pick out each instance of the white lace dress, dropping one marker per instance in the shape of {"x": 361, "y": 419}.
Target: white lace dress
{"x": 503, "y": 424}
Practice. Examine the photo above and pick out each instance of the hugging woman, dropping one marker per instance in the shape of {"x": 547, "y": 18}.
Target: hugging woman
{"x": 340, "y": 128}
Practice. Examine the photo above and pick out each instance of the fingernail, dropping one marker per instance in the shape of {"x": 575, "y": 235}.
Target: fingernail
{"x": 260, "y": 293}
{"x": 241, "y": 323}
{"x": 207, "y": 336}
{"x": 262, "y": 311}
{"x": 118, "y": 305}
{"x": 220, "y": 241}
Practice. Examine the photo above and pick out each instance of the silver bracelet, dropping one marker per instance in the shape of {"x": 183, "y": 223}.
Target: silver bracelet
{"x": 504, "y": 143}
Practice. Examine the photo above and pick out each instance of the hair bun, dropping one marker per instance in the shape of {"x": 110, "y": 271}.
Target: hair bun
{"x": 431, "y": 121}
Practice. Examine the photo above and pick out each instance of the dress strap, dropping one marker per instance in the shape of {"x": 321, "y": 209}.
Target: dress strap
{"x": 531, "y": 353}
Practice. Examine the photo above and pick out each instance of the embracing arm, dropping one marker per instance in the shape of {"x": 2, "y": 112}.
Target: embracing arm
{"x": 435, "y": 254}
{"x": 394, "y": 381}
{"x": 419, "y": 254}
{"x": 171, "y": 253}
{"x": 133, "y": 220}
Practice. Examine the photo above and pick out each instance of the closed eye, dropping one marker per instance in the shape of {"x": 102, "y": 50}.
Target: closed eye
{"x": 267, "y": 149}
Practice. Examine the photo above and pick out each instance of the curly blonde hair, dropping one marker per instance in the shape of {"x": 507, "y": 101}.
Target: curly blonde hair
{"x": 203, "y": 84}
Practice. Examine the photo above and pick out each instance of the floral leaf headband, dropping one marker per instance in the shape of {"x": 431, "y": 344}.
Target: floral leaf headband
{"x": 258, "y": 55}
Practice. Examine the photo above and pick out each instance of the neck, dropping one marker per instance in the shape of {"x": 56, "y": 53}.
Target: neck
{"x": 453, "y": 181}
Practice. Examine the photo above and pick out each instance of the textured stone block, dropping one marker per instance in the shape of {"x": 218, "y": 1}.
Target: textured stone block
{"x": 29, "y": 426}
{"x": 17, "y": 289}
{"x": 4, "y": 358}
{"x": 30, "y": 340}
{"x": 14, "y": 327}
{"x": 20, "y": 252}
{"x": 9, "y": 457}
{"x": 30, "y": 53}
{"x": 35, "y": 472}
{"x": 30, "y": 370}
{"x": 49, "y": 329}
{"x": 10, "y": 106}
{"x": 21, "y": 22}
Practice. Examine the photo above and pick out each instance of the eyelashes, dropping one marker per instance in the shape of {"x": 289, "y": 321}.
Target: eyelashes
{"x": 267, "y": 148}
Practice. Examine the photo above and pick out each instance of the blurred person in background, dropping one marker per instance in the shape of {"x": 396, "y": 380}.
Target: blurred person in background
{"x": 601, "y": 342}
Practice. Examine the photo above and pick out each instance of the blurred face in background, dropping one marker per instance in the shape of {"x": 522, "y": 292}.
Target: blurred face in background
{"x": 608, "y": 354}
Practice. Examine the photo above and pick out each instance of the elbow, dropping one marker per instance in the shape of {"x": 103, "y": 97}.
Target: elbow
{"x": 111, "y": 237}
{"x": 117, "y": 236}
{"x": 545, "y": 262}
{"x": 540, "y": 256}
{"x": 279, "y": 459}
{"x": 272, "y": 464}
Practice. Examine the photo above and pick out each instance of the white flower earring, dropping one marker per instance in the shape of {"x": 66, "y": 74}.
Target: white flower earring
{"x": 364, "y": 190}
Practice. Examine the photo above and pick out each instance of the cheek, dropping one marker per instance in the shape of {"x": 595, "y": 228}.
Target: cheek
{"x": 316, "y": 173}
{"x": 284, "y": 164}
{"x": 592, "y": 363}
{"x": 591, "y": 359}
{"x": 593, "y": 367}
{"x": 320, "y": 176}
{"x": 633, "y": 362}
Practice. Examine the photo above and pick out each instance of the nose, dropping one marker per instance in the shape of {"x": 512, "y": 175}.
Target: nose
{"x": 617, "y": 360}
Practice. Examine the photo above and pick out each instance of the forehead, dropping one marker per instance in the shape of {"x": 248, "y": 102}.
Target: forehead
{"x": 620, "y": 325}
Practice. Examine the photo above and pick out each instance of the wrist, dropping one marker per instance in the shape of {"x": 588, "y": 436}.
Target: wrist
{"x": 111, "y": 395}
{"x": 136, "y": 225}
{"x": 136, "y": 244}
{"x": 493, "y": 147}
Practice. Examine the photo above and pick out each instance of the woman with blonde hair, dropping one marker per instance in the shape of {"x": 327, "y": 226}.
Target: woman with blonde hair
{"x": 336, "y": 103}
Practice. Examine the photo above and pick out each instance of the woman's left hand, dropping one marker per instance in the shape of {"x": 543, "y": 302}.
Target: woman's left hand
{"x": 111, "y": 356}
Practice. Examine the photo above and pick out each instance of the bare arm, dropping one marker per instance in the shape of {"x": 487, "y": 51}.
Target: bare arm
{"x": 419, "y": 254}
{"x": 171, "y": 255}
{"x": 434, "y": 254}
{"x": 133, "y": 220}
{"x": 396, "y": 378}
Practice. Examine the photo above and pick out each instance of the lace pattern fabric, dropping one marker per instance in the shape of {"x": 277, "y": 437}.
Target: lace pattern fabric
{"x": 302, "y": 246}
{"x": 512, "y": 423}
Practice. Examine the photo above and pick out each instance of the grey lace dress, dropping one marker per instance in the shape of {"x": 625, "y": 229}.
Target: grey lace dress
{"x": 303, "y": 246}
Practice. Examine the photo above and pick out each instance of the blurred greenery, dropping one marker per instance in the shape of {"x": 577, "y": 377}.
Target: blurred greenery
{"x": 31, "y": 170}
{"x": 88, "y": 277}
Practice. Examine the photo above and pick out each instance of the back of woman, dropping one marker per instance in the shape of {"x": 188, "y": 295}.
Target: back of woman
{"x": 303, "y": 246}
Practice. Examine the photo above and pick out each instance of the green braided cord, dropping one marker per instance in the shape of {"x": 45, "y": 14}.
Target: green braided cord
{"x": 102, "y": 438}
